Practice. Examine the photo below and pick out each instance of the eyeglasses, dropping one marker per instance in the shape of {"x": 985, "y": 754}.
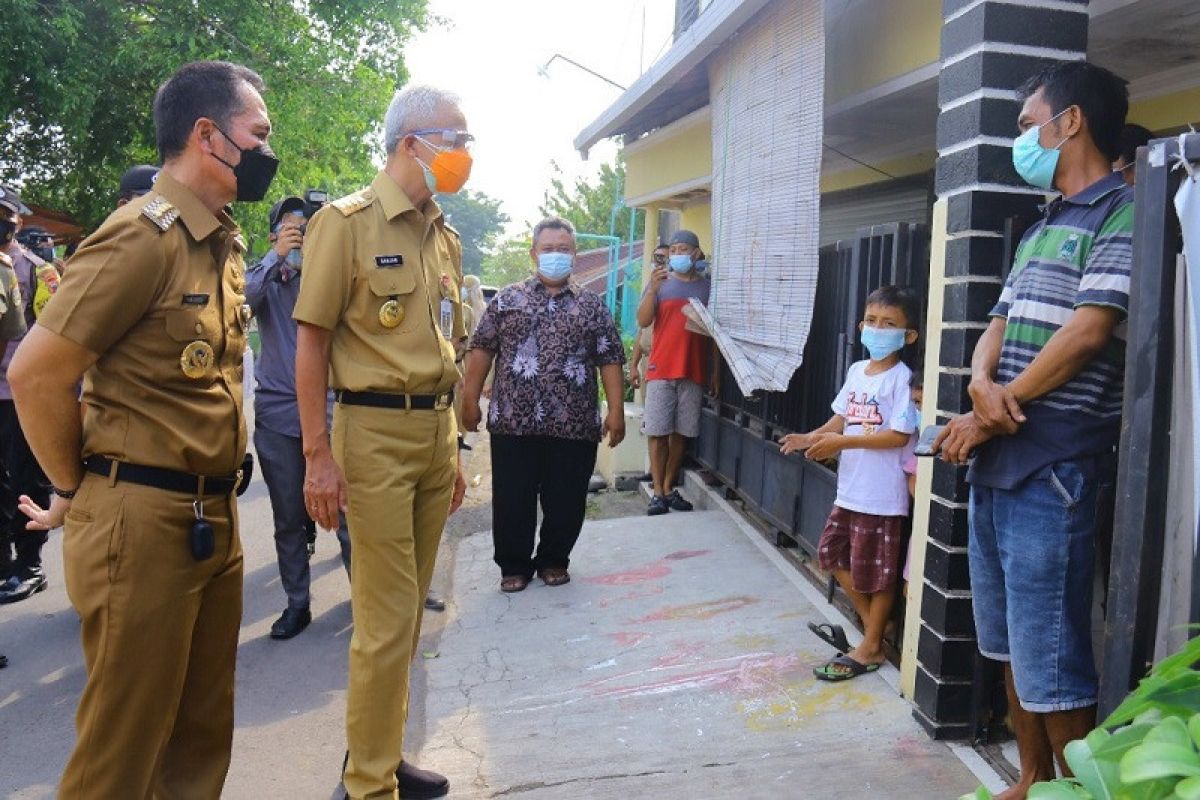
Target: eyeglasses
{"x": 451, "y": 138}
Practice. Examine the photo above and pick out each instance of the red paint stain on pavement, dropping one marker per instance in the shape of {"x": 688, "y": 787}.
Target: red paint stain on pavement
{"x": 628, "y": 638}
{"x": 699, "y": 611}
{"x": 680, "y": 555}
{"x": 641, "y": 574}
{"x": 633, "y": 594}
{"x": 744, "y": 675}
{"x": 680, "y": 654}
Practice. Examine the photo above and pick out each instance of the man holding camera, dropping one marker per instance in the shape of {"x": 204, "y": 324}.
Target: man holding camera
{"x": 272, "y": 286}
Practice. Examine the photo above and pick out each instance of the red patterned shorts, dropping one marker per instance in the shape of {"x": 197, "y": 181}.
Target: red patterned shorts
{"x": 865, "y": 544}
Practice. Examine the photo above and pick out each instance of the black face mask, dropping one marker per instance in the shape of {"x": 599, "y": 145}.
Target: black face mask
{"x": 8, "y": 229}
{"x": 254, "y": 172}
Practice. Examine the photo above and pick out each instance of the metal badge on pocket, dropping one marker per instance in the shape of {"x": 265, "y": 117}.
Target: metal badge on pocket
{"x": 391, "y": 313}
{"x": 195, "y": 359}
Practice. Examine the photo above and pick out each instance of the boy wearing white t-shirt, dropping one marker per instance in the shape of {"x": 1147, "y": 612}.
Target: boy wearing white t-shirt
{"x": 870, "y": 428}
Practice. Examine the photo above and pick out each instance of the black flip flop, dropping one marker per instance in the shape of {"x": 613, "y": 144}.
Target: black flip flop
{"x": 832, "y": 635}
{"x": 852, "y": 669}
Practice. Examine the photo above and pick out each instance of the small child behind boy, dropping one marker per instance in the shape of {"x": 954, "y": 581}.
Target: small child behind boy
{"x": 870, "y": 428}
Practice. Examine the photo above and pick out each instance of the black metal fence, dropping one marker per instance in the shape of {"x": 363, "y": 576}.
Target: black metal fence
{"x": 739, "y": 434}
{"x": 1141, "y": 510}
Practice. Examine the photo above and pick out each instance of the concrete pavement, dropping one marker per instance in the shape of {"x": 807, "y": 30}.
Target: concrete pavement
{"x": 676, "y": 662}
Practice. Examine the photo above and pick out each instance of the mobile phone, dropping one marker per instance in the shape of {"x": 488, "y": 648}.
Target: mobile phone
{"x": 925, "y": 443}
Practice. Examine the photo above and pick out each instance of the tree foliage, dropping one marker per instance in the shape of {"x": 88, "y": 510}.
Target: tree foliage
{"x": 80, "y": 77}
{"x": 478, "y": 220}
{"x": 508, "y": 263}
{"x": 588, "y": 205}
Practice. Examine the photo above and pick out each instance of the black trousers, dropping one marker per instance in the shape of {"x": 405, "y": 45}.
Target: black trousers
{"x": 19, "y": 474}
{"x": 529, "y": 469}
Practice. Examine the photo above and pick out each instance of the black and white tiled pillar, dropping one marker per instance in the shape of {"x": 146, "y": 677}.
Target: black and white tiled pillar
{"x": 989, "y": 49}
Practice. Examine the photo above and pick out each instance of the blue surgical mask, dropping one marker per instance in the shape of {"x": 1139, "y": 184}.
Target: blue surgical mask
{"x": 1034, "y": 163}
{"x": 882, "y": 342}
{"x": 555, "y": 266}
{"x": 680, "y": 262}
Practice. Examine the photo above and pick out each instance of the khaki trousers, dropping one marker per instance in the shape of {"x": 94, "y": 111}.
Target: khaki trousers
{"x": 400, "y": 467}
{"x": 160, "y": 633}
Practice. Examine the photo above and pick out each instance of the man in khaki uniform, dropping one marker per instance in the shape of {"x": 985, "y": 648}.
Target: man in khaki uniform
{"x": 379, "y": 317}
{"x": 150, "y": 315}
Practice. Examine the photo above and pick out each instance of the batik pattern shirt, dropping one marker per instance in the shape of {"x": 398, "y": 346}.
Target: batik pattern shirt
{"x": 547, "y": 350}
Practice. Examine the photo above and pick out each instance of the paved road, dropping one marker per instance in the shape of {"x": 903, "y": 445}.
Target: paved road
{"x": 676, "y": 662}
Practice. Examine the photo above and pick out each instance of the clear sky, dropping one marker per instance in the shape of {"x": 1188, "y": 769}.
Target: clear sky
{"x": 489, "y": 51}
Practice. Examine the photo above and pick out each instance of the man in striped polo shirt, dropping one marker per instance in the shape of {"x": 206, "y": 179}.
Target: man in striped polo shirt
{"x": 1046, "y": 389}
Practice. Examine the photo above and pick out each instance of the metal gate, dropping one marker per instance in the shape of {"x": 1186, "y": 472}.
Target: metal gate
{"x": 739, "y": 434}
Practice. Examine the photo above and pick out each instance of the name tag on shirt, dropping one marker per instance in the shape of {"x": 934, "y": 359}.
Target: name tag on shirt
{"x": 389, "y": 261}
{"x": 195, "y": 299}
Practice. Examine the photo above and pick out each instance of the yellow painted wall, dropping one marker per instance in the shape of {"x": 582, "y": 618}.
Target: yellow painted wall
{"x": 668, "y": 159}
{"x": 698, "y": 220}
{"x": 874, "y": 41}
{"x": 920, "y": 527}
{"x": 1169, "y": 111}
{"x": 862, "y": 176}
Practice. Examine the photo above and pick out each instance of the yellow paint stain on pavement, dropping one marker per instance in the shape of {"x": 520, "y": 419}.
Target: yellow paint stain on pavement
{"x": 750, "y": 641}
{"x": 795, "y": 704}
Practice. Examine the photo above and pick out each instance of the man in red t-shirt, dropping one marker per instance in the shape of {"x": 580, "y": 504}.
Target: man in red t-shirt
{"x": 676, "y": 371}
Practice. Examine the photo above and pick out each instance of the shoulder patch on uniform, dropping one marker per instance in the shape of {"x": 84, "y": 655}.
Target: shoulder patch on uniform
{"x": 354, "y": 202}
{"x": 161, "y": 212}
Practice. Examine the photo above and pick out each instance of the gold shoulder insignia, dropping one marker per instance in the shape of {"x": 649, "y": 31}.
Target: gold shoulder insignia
{"x": 354, "y": 202}
{"x": 161, "y": 212}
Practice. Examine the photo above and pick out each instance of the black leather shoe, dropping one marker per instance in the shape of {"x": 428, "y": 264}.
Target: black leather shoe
{"x": 22, "y": 587}
{"x": 420, "y": 784}
{"x": 434, "y": 603}
{"x": 291, "y": 623}
{"x": 677, "y": 503}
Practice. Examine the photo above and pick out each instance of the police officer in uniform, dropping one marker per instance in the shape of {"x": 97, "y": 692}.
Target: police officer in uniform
{"x": 380, "y": 316}
{"x": 151, "y": 316}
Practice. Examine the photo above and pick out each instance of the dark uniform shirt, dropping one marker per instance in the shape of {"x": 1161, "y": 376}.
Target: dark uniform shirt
{"x": 159, "y": 284}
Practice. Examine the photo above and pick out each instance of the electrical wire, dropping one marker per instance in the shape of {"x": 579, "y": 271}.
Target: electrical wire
{"x": 858, "y": 161}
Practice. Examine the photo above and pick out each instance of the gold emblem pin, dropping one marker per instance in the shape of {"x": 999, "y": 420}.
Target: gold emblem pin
{"x": 195, "y": 359}
{"x": 391, "y": 314}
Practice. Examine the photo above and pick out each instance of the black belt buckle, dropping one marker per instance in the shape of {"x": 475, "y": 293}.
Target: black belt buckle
{"x": 201, "y": 539}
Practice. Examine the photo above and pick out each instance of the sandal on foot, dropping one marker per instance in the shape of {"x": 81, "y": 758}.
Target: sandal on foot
{"x": 554, "y": 576}
{"x": 850, "y": 669}
{"x": 831, "y": 634}
{"x": 513, "y": 583}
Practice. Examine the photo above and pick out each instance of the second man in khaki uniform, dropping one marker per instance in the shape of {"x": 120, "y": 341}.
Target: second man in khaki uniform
{"x": 380, "y": 316}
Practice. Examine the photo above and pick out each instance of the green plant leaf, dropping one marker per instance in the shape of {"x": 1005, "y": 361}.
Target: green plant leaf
{"x": 1188, "y": 789}
{"x": 1120, "y": 741}
{"x": 1057, "y": 790}
{"x": 1151, "y": 760}
{"x": 980, "y": 793}
{"x": 1149, "y": 790}
{"x": 1100, "y": 778}
{"x": 1184, "y": 660}
{"x": 1171, "y": 730}
{"x": 1193, "y": 726}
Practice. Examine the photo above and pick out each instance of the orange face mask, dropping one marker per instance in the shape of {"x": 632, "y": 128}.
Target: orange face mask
{"x": 449, "y": 170}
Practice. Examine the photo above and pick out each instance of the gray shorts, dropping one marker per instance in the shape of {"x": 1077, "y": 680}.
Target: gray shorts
{"x": 672, "y": 407}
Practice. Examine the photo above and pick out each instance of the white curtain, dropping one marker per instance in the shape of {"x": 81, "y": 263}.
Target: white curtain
{"x": 767, "y": 89}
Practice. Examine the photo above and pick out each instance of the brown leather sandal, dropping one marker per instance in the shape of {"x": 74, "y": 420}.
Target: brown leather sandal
{"x": 554, "y": 576}
{"x": 513, "y": 583}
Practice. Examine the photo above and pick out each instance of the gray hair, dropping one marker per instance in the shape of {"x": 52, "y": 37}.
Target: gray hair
{"x": 413, "y": 108}
{"x": 552, "y": 223}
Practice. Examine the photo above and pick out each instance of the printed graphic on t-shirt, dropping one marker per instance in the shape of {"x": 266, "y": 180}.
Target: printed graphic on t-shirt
{"x": 862, "y": 408}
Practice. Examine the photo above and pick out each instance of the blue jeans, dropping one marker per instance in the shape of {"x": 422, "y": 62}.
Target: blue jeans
{"x": 1032, "y": 558}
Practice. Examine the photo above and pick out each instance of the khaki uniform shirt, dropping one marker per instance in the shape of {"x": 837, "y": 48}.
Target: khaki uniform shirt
{"x": 368, "y": 249}
{"x": 12, "y": 316}
{"x": 161, "y": 279}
